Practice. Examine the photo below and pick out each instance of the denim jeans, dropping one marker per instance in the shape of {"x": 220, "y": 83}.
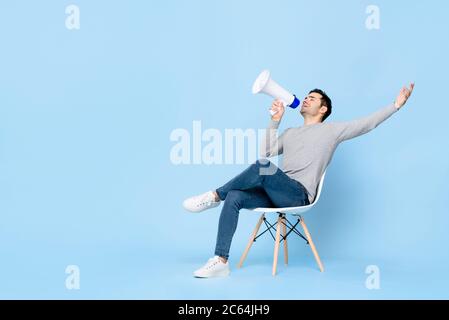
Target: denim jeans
{"x": 261, "y": 185}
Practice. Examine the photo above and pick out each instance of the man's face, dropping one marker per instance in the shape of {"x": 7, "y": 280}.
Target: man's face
{"x": 311, "y": 105}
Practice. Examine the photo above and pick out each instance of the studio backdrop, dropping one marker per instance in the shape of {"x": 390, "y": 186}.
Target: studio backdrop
{"x": 113, "y": 112}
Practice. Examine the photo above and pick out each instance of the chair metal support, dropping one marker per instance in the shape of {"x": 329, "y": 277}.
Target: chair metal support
{"x": 285, "y": 224}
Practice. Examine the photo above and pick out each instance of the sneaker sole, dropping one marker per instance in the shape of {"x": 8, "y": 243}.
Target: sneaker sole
{"x": 220, "y": 274}
{"x": 200, "y": 210}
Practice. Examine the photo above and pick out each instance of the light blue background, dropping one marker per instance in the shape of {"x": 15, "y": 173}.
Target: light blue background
{"x": 85, "y": 120}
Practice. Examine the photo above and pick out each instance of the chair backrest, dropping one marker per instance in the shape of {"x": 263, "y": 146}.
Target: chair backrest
{"x": 320, "y": 186}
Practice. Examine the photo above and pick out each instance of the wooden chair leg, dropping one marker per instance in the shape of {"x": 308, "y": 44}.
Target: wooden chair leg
{"x": 251, "y": 240}
{"x": 284, "y": 234}
{"x": 276, "y": 245}
{"x": 312, "y": 246}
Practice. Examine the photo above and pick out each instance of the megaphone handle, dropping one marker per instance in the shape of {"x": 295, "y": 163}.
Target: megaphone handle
{"x": 274, "y": 112}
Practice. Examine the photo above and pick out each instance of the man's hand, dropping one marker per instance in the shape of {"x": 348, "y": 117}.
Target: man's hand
{"x": 403, "y": 96}
{"x": 278, "y": 107}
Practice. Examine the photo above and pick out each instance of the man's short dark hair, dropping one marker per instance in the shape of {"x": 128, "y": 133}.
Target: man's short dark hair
{"x": 325, "y": 102}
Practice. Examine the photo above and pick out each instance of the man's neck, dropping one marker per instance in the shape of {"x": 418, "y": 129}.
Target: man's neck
{"x": 308, "y": 122}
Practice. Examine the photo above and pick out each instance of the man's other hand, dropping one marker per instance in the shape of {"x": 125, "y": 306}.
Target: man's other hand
{"x": 403, "y": 96}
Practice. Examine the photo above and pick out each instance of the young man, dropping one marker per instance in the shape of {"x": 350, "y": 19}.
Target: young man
{"x": 307, "y": 152}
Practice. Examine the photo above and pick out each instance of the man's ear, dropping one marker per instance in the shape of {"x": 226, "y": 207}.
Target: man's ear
{"x": 323, "y": 108}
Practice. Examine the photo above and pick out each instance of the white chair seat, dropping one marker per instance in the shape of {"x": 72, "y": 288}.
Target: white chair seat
{"x": 289, "y": 210}
{"x": 295, "y": 210}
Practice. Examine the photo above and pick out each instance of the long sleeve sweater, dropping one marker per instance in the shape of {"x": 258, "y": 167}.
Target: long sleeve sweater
{"x": 308, "y": 150}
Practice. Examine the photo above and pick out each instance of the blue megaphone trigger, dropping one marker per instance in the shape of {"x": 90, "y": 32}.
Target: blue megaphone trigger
{"x": 295, "y": 103}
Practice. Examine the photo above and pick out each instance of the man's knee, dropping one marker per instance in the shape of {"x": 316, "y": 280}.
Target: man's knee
{"x": 235, "y": 196}
{"x": 265, "y": 167}
{"x": 262, "y": 163}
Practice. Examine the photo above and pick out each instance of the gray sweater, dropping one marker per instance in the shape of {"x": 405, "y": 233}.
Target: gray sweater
{"x": 307, "y": 150}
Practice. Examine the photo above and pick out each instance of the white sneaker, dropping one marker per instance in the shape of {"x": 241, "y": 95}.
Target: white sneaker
{"x": 213, "y": 268}
{"x": 200, "y": 203}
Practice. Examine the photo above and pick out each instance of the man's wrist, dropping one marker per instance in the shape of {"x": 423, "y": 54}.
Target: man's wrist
{"x": 396, "y": 105}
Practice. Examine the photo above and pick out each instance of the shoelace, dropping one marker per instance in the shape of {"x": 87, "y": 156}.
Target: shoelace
{"x": 205, "y": 202}
{"x": 213, "y": 264}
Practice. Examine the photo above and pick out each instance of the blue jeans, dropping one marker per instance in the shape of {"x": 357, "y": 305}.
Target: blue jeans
{"x": 260, "y": 185}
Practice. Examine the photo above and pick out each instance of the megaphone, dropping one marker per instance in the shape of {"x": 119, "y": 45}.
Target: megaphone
{"x": 264, "y": 84}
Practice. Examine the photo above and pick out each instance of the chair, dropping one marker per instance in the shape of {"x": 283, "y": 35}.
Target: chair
{"x": 282, "y": 221}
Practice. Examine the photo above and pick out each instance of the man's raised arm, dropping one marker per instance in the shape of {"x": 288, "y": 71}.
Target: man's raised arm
{"x": 351, "y": 129}
{"x": 272, "y": 145}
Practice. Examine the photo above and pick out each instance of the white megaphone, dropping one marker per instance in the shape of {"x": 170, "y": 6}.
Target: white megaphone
{"x": 264, "y": 84}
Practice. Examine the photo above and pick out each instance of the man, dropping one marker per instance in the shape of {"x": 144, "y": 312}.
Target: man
{"x": 307, "y": 151}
